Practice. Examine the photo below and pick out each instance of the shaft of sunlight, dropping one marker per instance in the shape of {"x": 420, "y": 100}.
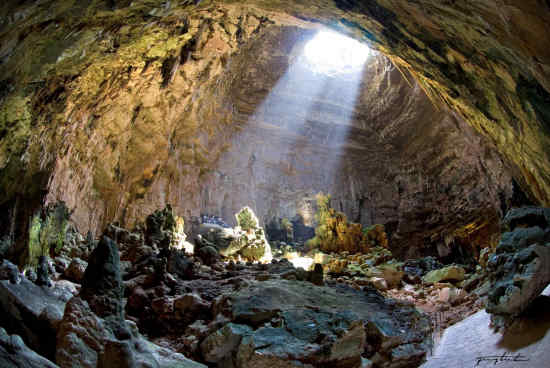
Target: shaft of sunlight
{"x": 311, "y": 109}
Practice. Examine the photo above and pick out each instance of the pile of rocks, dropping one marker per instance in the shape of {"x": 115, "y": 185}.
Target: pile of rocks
{"x": 130, "y": 284}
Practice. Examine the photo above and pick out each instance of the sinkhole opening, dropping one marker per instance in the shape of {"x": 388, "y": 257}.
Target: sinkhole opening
{"x": 330, "y": 52}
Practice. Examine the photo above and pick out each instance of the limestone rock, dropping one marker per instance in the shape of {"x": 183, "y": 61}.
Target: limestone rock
{"x": 32, "y": 312}
{"x": 249, "y": 242}
{"x": 391, "y": 273}
{"x": 419, "y": 267}
{"x": 190, "y": 304}
{"x": 180, "y": 264}
{"x": 75, "y": 271}
{"x": 102, "y": 285}
{"x": 449, "y": 273}
{"x": 85, "y": 340}
{"x": 209, "y": 255}
{"x": 42, "y": 272}
{"x": 81, "y": 336}
{"x": 218, "y": 235}
{"x": 15, "y": 354}
{"x": 379, "y": 283}
{"x": 223, "y": 342}
{"x": 322, "y": 326}
{"x": 520, "y": 268}
{"x": 451, "y": 295}
{"x": 9, "y": 271}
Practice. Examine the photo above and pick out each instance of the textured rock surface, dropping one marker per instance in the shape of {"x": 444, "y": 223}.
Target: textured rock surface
{"x": 85, "y": 340}
{"x": 76, "y": 270}
{"x": 449, "y": 273}
{"x": 14, "y": 353}
{"x": 85, "y": 85}
{"x": 223, "y": 342}
{"x": 323, "y": 326}
{"x": 520, "y": 267}
{"x": 32, "y": 312}
{"x": 102, "y": 285}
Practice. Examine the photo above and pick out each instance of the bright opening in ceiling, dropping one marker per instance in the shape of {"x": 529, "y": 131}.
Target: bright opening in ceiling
{"x": 331, "y": 53}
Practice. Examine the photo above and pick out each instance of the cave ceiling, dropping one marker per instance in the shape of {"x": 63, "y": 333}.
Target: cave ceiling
{"x": 119, "y": 107}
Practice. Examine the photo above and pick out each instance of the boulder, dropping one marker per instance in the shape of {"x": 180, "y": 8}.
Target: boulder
{"x": 209, "y": 255}
{"x": 85, "y": 340}
{"x": 527, "y": 216}
{"x": 419, "y": 267}
{"x": 451, "y": 295}
{"x": 223, "y": 342}
{"x": 316, "y": 276}
{"x": 379, "y": 283}
{"x": 32, "y": 312}
{"x": 190, "y": 304}
{"x": 391, "y": 273}
{"x": 75, "y": 271}
{"x": 180, "y": 264}
{"x": 10, "y": 272}
{"x": 449, "y": 273}
{"x": 520, "y": 268}
{"x": 15, "y": 354}
{"x": 216, "y": 235}
{"x": 274, "y": 347}
{"x": 81, "y": 336}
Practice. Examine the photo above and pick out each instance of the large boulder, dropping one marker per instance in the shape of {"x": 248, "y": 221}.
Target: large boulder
{"x": 80, "y": 336}
{"x": 15, "y": 354}
{"x": 449, "y": 273}
{"x": 30, "y": 311}
{"x": 76, "y": 270}
{"x": 180, "y": 264}
{"x": 88, "y": 341}
{"x": 520, "y": 268}
{"x": 209, "y": 255}
{"x": 221, "y": 343}
{"x": 217, "y": 235}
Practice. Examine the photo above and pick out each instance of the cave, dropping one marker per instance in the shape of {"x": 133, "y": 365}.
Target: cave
{"x": 220, "y": 183}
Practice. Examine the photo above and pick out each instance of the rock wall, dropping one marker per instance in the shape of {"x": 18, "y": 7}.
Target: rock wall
{"x": 122, "y": 108}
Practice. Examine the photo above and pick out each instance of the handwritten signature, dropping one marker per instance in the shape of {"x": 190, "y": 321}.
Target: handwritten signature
{"x": 505, "y": 357}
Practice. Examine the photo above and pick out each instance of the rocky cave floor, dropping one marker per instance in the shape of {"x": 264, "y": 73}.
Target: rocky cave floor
{"x": 131, "y": 299}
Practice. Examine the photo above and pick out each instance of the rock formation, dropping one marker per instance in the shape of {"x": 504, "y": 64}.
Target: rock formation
{"x": 129, "y": 121}
{"x": 14, "y": 353}
{"x": 98, "y": 96}
{"x": 102, "y": 284}
{"x": 520, "y": 267}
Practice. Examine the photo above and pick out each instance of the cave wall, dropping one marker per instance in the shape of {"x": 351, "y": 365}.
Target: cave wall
{"x": 119, "y": 109}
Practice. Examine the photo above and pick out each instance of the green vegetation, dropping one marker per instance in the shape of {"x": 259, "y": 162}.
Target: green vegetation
{"x": 47, "y": 233}
{"x": 334, "y": 233}
{"x": 246, "y": 219}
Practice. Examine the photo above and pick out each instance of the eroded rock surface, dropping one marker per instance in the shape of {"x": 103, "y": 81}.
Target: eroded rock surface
{"x": 322, "y": 326}
{"x": 120, "y": 109}
{"x": 14, "y": 353}
{"x": 520, "y": 267}
{"x": 32, "y": 312}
